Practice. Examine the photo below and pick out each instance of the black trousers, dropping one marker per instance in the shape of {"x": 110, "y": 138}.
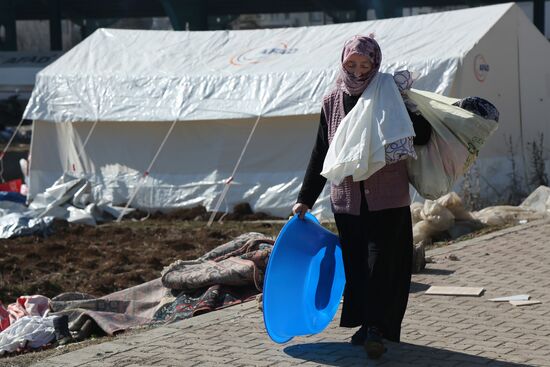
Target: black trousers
{"x": 377, "y": 252}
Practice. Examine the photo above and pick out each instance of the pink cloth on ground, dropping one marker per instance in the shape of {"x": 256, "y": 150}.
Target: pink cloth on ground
{"x": 24, "y": 306}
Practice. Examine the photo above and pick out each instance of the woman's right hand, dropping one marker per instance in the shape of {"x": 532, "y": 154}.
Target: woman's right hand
{"x": 300, "y": 209}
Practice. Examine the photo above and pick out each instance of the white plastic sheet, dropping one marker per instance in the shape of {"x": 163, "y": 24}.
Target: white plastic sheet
{"x": 506, "y": 214}
{"x": 70, "y": 199}
{"x": 67, "y": 199}
{"x": 18, "y": 224}
{"x": 538, "y": 200}
{"x": 27, "y": 332}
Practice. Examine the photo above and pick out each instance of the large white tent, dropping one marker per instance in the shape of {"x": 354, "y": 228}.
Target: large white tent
{"x": 172, "y": 111}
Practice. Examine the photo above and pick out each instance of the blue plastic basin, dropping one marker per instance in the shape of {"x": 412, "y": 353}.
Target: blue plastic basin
{"x": 304, "y": 280}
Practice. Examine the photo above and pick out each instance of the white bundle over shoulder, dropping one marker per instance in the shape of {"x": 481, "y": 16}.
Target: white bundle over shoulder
{"x": 456, "y": 139}
{"x": 379, "y": 118}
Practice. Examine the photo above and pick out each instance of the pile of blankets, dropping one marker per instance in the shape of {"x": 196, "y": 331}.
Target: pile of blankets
{"x": 231, "y": 273}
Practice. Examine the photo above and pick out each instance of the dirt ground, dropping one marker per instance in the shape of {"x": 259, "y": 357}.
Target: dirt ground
{"x": 113, "y": 256}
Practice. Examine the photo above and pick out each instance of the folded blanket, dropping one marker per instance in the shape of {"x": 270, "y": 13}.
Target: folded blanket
{"x": 242, "y": 266}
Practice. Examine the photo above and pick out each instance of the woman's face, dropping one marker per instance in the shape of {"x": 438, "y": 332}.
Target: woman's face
{"x": 358, "y": 65}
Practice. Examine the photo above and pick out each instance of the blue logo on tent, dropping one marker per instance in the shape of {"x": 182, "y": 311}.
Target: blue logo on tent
{"x": 481, "y": 68}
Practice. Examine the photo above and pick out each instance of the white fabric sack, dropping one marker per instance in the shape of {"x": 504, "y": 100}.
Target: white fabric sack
{"x": 453, "y": 202}
{"x": 457, "y": 136}
{"x": 379, "y": 118}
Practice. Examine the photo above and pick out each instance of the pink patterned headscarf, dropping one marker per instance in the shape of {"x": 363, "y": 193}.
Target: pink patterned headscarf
{"x": 365, "y": 46}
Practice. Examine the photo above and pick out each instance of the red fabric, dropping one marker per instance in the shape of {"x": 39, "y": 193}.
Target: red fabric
{"x": 4, "y": 317}
{"x": 11, "y": 186}
{"x": 17, "y": 310}
{"x": 24, "y": 306}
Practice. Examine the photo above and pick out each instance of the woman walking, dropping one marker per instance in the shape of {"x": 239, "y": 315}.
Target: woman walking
{"x": 372, "y": 216}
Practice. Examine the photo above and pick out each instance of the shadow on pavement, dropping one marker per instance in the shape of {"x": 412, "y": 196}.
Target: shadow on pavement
{"x": 418, "y": 287}
{"x": 432, "y": 271}
{"x": 402, "y": 354}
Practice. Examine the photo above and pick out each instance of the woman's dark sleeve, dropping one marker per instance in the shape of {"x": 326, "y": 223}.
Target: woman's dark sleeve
{"x": 422, "y": 129}
{"x": 314, "y": 183}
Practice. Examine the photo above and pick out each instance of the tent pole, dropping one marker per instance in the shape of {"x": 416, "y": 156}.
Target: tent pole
{"x": 521, "y": 137}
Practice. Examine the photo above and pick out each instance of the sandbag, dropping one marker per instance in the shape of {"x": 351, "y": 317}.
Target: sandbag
{"x": 440, "y": 217}
{"x": 416, "y": 209}
{"x": 435, "y": 219}
{"x": 453, "y": 202}
{"x": 423, "y": 231}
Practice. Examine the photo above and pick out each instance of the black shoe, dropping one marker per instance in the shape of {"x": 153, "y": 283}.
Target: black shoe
{"x": 373, "y": 343}
{"x": 61, "y": 327}
{"x": 360, "y": 336}
{"x": 87, "y": 329}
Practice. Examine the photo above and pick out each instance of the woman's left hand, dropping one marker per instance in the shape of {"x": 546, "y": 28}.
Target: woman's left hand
{"x": 300, "y": 209}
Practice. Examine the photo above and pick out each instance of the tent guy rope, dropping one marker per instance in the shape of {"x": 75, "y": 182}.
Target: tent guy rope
{"x": 147, "y": 171}
{"x": 4, "y": 151}
{"x": 232, "y": 176}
